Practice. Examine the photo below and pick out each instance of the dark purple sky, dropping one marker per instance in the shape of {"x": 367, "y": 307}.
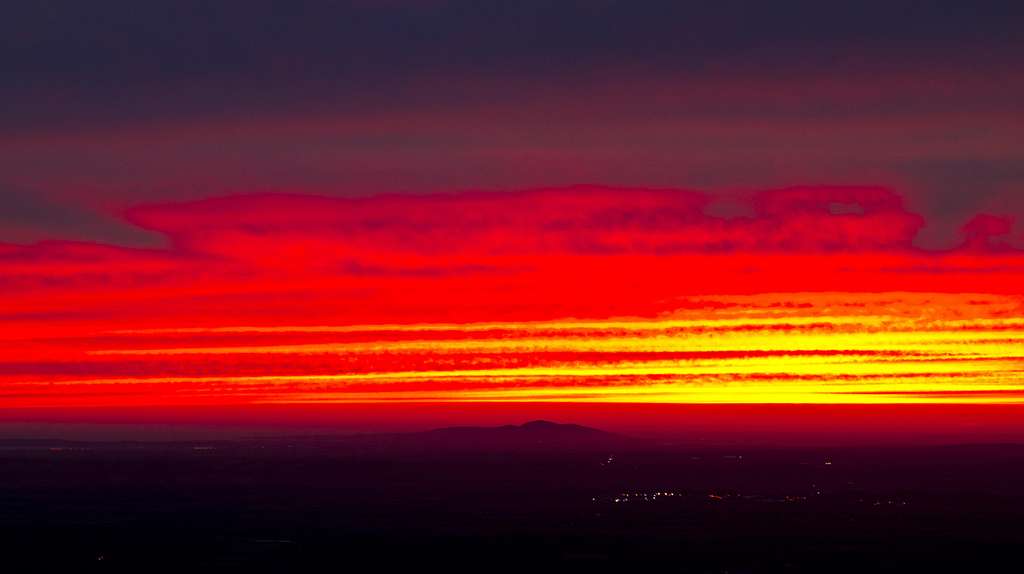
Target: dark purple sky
{"x": 105, "y": 105}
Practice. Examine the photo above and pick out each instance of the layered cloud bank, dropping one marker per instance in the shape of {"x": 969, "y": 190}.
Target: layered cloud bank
{"x": 571, "y": 294}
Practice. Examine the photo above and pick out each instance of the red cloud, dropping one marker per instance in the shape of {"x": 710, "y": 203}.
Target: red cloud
{"x": 985, "y": 231}
{"x": 570, "y": 220}
{"x": 403, "y": 283}
{"x": 579, "y": 251}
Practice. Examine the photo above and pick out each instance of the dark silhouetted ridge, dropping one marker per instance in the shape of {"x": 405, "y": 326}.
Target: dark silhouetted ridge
{"x": 532, "y": 435}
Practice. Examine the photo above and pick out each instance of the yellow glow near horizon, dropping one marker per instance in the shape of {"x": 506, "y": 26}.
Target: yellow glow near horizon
{"x": 817, "y": 348}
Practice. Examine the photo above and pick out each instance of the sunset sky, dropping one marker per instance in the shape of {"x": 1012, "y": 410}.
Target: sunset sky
{"x": 572, "y": 208}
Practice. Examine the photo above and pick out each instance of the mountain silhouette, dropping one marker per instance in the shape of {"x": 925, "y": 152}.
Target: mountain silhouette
{"x": 535, "y": 436}
{"x": 532, "y": 435}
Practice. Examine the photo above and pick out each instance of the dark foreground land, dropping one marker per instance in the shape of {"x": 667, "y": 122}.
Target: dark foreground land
{"x": 543, "y": 496}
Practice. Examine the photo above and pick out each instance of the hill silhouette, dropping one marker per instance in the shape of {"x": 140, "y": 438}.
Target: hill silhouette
{"x": 537, "y": 434}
